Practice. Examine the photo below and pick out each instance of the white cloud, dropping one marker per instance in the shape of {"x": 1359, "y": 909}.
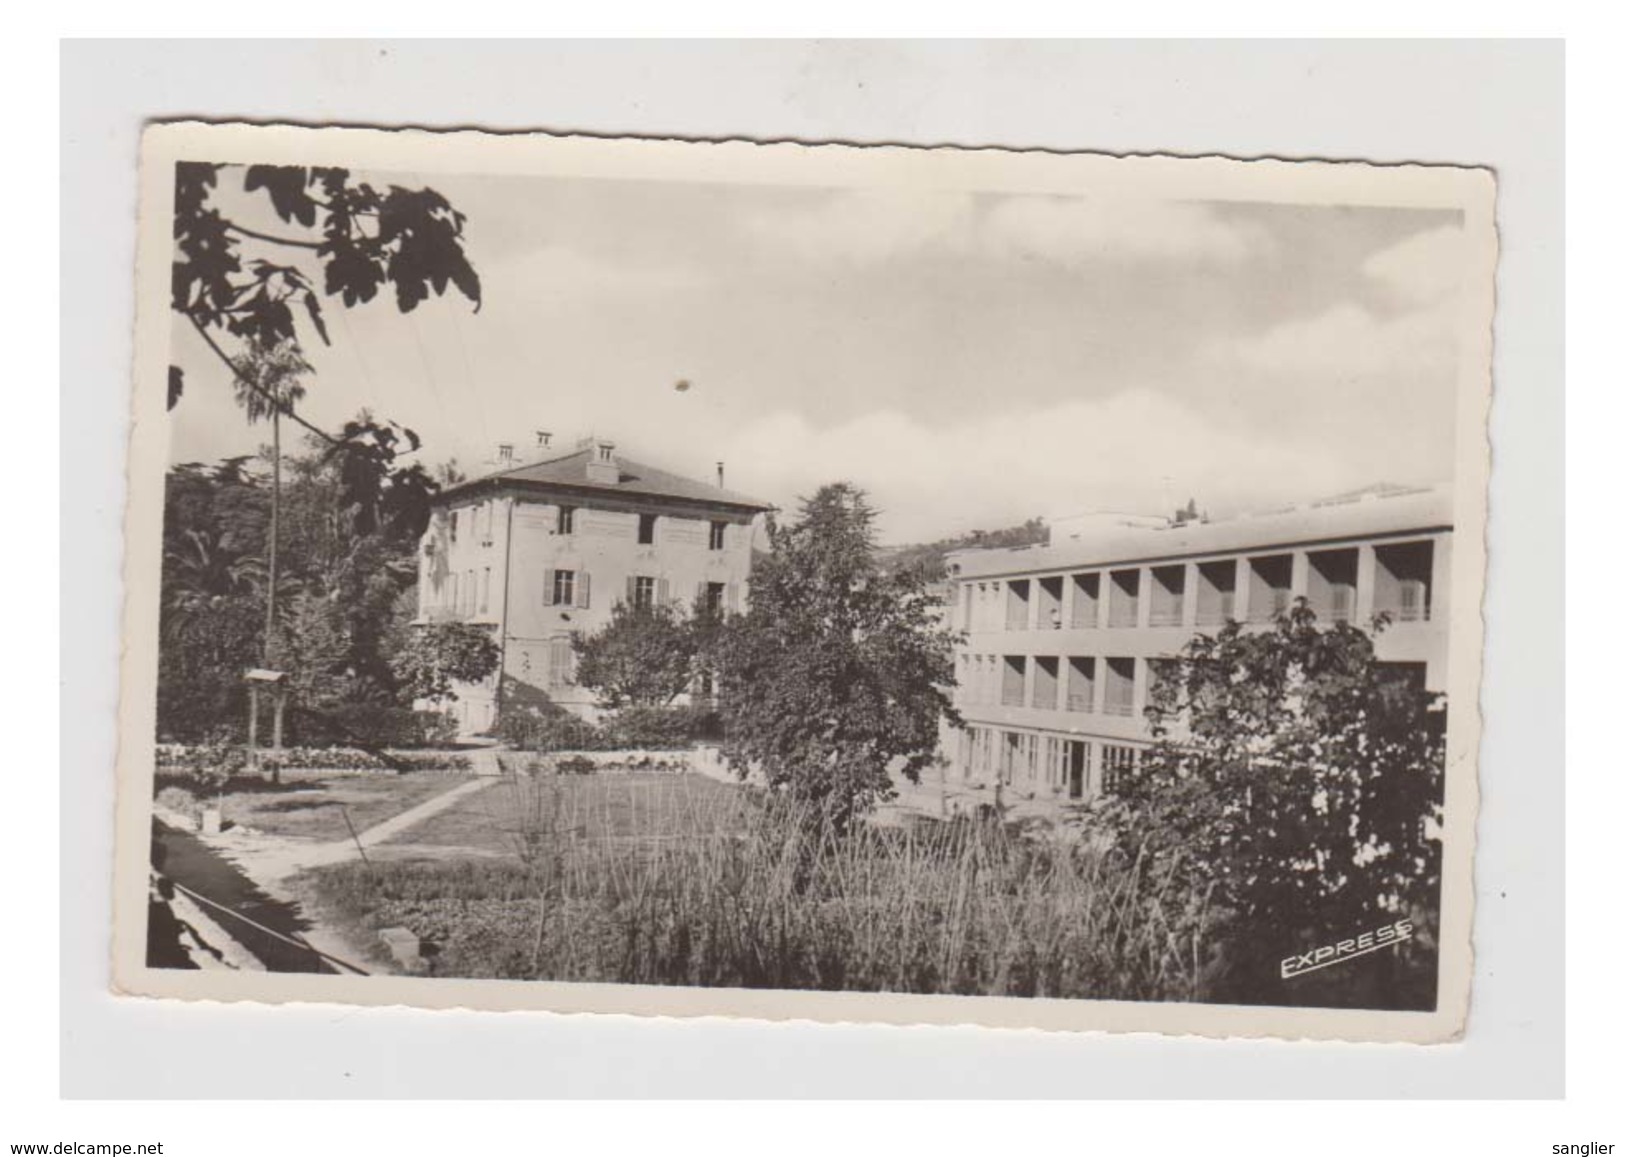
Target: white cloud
{"x": 1422, "y": 269}
{"x": 1068, "y": 228}
{"x": 1349, "y": 342}
{"x": 1129, "y": 451}
{"x": 867, "y": 225}
{"x": 873, "y": 225}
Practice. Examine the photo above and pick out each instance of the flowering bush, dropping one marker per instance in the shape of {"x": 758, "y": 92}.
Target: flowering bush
{"x": 206, "y": 762}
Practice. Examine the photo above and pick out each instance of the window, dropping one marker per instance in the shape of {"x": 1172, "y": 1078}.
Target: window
{"x": 1080, "y": 684}
{"x": 719, "y": 534}
{"x": 567, "y": 520}
{"x": 1119, "y": 687}
{"x": 1116, "y": 765}
{"x": 454, "y": 520}
{"x": 1167, "y": 596}
{"x": 1160, "y": 672}
{"x": 1331, "y": 583}
{"x": 1049, "y": 603}
{"x": 646, "y": 529}
{"x": 716, "y": 596}
{"x": 1015, "y": 607}
{"x": 564, "y": 588}
{"x": 560, "y": 663}
{"x": 1085, "y": 600}
{"x": 1014, "y": 687}
{"x": 1077, "y": 768}
{"x": 1215, "y": 592}
{"x": 1271, "y": 591}
{"x": 1046, "y": 682}
{"x": 1123, "y": 606}
{"x": 643, "y": 591}
{"x": 1404, "y": 578}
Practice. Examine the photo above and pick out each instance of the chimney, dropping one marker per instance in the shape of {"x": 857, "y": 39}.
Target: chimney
{"x": 543, "y": 437}
{"x": 505, "y": 453}
{"x": 719, "y": 476}
{"x": 602, "y": 466}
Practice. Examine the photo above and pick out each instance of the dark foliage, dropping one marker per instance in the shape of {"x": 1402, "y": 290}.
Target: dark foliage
{"x": 839, "y": 673}
{"x": 1297, "y": 784}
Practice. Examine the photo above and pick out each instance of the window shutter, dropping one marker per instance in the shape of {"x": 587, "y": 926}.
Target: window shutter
{"x": 583, "y": 589}
{"x": 733, "y": 596}
{"x": 699, "y": 595}
{"x": 631, "y": 590}
{"x": 547, "y": 587}
{"x": 663, "y": 592}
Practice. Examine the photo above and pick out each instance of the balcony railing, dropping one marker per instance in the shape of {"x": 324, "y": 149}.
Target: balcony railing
{"x": 1013, "y": 697}
{"x": 1124, "y": 614}
{"x": 1118, "y": 707}
{"x": 1167, "y": 616}
{"x": 1080, "y": 699}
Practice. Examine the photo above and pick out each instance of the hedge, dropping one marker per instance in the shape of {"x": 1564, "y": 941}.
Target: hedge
{"x": 195, "y": 758}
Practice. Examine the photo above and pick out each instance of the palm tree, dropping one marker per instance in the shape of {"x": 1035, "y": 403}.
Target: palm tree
{"x": 267, "y": 387}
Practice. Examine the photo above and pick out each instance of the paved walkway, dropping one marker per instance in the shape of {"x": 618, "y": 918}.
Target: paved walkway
{"x": 270, "y": 859}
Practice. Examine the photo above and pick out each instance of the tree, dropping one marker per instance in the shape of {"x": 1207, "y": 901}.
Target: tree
{"x": 839, "y": 674}
{"x": 434, "y": 656}
{"x": 643, "y": 657}
{"x": 1297, "y": 783}
{"x": 361, "y": 238}
{"x": 267, "y": 387}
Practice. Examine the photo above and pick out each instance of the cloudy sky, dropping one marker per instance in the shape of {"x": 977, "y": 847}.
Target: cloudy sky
{"x": 971, "y": 360}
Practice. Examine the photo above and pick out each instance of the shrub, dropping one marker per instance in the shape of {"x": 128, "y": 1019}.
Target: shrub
{"x": 375, "y": 725}
{"x": 675, "y": 726}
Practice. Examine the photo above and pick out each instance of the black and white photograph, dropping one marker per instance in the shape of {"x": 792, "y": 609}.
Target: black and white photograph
{"x": 874, "y": 584}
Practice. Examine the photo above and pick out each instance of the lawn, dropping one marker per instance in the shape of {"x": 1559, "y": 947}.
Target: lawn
{"x": 315, "y": 809}
{"x": 516, "y": 814}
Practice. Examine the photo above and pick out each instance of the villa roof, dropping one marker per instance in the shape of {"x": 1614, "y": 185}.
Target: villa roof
{"x": 568, "y": 471}
{"x": 1360, "y": 514}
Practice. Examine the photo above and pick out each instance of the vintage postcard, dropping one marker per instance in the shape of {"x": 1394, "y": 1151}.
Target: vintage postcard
{"x": 794, "y": 581}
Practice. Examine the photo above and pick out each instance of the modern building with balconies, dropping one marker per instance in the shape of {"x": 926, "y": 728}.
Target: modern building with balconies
{"x": 541, "y": 550}
{"x": 1061, "y": 643}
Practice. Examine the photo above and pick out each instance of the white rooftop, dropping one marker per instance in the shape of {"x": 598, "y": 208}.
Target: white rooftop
{"x": 1112, "y": 540}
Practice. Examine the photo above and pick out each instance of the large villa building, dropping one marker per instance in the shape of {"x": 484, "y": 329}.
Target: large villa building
{"x": 538, "y": 551}
{"x": 1060, "y": 642}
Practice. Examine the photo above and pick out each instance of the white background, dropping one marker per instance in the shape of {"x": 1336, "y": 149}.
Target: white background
{"x": 1473, "y": 103}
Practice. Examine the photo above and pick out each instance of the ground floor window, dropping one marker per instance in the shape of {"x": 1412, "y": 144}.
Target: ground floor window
{"x": 560, "y": 663}
{"x": 1117, "y": 762}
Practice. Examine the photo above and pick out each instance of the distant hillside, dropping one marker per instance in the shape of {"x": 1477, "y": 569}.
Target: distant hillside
{"x": 1033, "y": 532}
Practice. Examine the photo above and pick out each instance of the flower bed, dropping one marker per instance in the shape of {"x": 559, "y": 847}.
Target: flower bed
{"x": 184, "y": 758}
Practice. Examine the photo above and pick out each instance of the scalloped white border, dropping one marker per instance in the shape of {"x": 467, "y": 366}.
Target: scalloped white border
{"x": 1472, "y": 191}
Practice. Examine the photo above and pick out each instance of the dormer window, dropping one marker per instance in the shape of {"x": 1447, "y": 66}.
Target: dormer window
{"x": 646, "y": 529}
{"x": 606, "y": 452}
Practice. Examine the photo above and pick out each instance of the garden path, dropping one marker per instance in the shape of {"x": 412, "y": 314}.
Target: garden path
{"x": 269, "y": 860}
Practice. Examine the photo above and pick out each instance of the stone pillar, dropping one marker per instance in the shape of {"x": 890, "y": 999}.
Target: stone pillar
{"x": 1439, "y": 582}
{"x": 1365, "y": 585}
{"x": 1244, "y": 588}
{"x": 277, "y": 704}
{"x": 1187, "y": 605}
{"x": 1142, "y": 602}
{"x": 1300, "y": 575}
{"x": 253, "y": 719}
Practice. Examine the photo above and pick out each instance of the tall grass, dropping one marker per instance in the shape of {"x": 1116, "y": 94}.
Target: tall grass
{"x": 740, "y": 890}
